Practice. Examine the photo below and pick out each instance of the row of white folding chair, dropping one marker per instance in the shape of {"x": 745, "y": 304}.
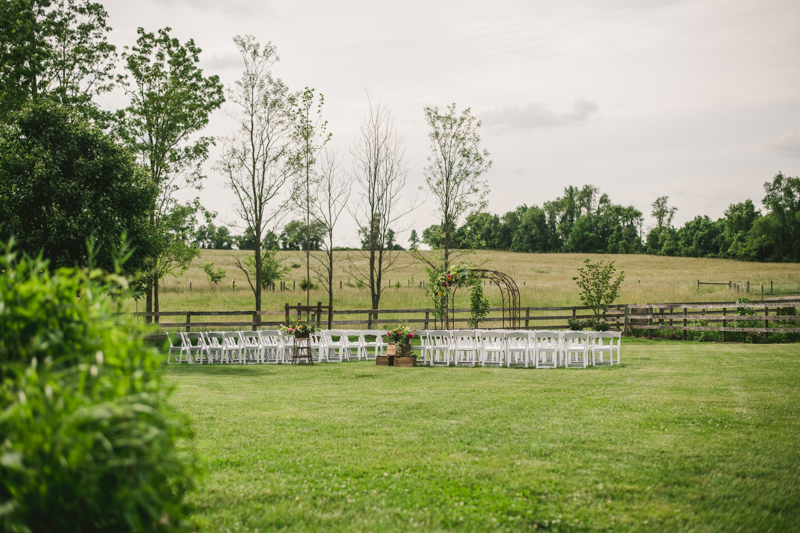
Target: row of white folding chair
{"x": 271, "y": 346}
{"x": 542, "y": 349}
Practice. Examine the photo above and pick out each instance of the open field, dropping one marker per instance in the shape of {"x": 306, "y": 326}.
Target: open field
{"x": 544, "y": 280}
{"x": 681, "y": 437}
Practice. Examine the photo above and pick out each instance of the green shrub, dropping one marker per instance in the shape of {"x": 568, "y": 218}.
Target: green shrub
{"x": 304, "y": 285}
{"x": 87, "y": 441}
{"x": 576, "y": 324}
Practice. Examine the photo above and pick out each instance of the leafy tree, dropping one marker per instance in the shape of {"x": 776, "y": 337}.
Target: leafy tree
{"x": 783, "y": 202}
{"x": 457, "y": 163}
{"x": 271, "y": 269}
{"x": 170, "y": 102}
{"x": 701, "y": 237}
{"x": 598, "y": 289}
{"x": 739, "y": 220}
{"x": 63, "y": 181}
{"x": 257, "y": 158}
{"x": 295, "y": 235}
{"x": 55, "y": 48}
{"x": 413, "y": 240}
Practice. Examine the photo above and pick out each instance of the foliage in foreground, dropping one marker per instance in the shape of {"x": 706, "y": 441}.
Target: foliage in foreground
{"x": 88, "y": 444}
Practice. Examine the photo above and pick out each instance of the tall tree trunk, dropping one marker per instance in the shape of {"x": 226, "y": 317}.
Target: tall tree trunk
{"x": 258, "y": 272}
{"x": 148, "y": 303}
{"x": 155, "y": 294}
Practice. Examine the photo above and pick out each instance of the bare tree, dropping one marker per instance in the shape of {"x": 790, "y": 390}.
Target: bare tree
{"x": 310, "y": 136}
{"x": 332, "y": 193}
{"x": 257, "y": 158}
{"x": 380, "y": 175}
{"x": 456, "y": 164}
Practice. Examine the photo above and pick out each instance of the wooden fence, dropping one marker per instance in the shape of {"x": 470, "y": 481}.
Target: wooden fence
{"x": 626, "y": 317}
{"x": 699, "y": 317}
{"x": 530, "y": 318}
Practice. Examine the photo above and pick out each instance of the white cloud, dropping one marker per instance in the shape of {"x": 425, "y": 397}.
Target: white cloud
{"x": 788, "y": 143}
{"x": 538, "y": 115}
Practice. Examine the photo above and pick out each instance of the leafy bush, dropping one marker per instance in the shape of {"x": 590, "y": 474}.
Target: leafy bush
{"x": 576, "y": 324}
{"x": 296, "y": 265}
{"x": 88, "y": 443}
{"x": 304, "y": 284}
{"x": 213, "y": 276}
{"x": 596, "y": 324}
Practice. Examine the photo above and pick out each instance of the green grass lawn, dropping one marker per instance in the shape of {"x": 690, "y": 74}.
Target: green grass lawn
{"x": 681, "y": 437}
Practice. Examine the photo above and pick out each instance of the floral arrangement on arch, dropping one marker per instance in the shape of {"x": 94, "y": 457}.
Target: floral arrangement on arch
{"x": 401, "y": 335}
{"x": 299, "y": 328}
{"x": 442, "y": 283}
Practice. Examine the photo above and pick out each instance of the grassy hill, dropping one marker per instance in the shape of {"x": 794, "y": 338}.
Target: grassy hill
{"x": 544, "y": 280}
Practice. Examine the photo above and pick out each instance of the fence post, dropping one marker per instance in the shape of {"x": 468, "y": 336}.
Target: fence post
{"x": 625, "y": 325}
{"x": 255, "y": 320}
{"x": 427, "y": 317}
{"x": 724, "y": 323}
{"x": 766, "y": 324}
{"x": 770, "y": 288}
{"x": 762, "y": 292}
{"x": 685, "y": 323}
{"x": 527, "y": 317}
{"x": 698, "y": 284}
{"x": 369, "y": 320}
{"x": 188, "y": 321}
{"x": 287, "y": 310}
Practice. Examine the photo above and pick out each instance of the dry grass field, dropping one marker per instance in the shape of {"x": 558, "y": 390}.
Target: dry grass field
{"x": 544, "y": 280}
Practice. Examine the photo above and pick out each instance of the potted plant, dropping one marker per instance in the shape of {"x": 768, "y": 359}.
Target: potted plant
{"x": 399, "y": 345}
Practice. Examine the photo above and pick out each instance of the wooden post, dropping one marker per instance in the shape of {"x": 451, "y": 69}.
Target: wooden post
{"x": 685, "y": 322}
{"x": 294, "y": 286}
{"x": 762, "y": 292}
{"x": 770, "y": 288}
{"x": 724, "y": 323}
{"x": 698, "y": 284}
{"x": 287, "y": 308}
{"x": 671, "y": 312}
{"x": 527, "y": 317}
{"x": 233, "y": 286}
{"x": 255, "y": 320}
{"x": 427, "y": 317}
{"x": 340, "y": 284}
{"x": 190, "y": 286}
{"x": 748, "y": 286}
{"x": 766, "y": 324}
{"x": 650, "y": 322}
{"x": 330, "y": 316}
{"x": 625, "y": 326}
{"x": 188, "y": 321}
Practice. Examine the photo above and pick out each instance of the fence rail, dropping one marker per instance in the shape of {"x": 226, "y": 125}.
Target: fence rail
{"x": 626, "y": 317}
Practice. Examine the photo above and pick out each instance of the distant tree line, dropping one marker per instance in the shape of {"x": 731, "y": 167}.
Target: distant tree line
{"x": 585, "y": 221}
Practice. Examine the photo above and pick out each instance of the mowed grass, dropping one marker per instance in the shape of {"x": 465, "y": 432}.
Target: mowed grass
{"x": 543, "y": 279}
{"x": 681, "y": 437}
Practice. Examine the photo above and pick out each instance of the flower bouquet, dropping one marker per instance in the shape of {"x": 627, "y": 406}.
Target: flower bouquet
{"x": 399, "y": 340}
{"x": 299, "y": 329}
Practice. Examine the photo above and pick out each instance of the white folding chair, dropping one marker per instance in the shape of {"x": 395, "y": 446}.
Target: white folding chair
{"x": 332, "y": 345}
{"x": 576, "y": 349}
{"x": 517, "y": 348}
{"x": 605, "y": 342}
{"x": 214, "y": 346}
{"x": 372, "y": 339}
{"x": 272, "y": 346}
{"x": 318, "y": 351}
{"x": 177, "y": 347}
{"x": 439, "y": 347}
{"x": 351, "y": 344}
{"x": 545, "y": 349}
{"x": 422, "y": 335}
{"x": 196, "y": 345}
{"x": 465, "y": 347}
{"x": 252, "y": 351}
{"x": 491, "y": 347}
{"x": 231, "y": 347}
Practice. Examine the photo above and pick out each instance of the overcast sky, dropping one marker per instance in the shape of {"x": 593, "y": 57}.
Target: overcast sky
{"x": 694, "y": 99}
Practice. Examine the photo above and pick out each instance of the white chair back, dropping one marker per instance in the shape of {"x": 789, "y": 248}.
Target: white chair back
{"x": 491, "y": 347}
{"x": 602, "y": 343}
{"x": 372, "y": 339}
{"x": 439, "y": 347}
{"x": 576, "y": 349}
{"x": 517, "y": 348}
{"x": 545, "y": 348}
{"x": 177, "y": 347}
{"x": 196, "y": 344}
{"x": 231, "y": 347}
{"x": 465, "y": 347}
{"x": 272, "y": 344}
{"x": 252, "y": 351}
